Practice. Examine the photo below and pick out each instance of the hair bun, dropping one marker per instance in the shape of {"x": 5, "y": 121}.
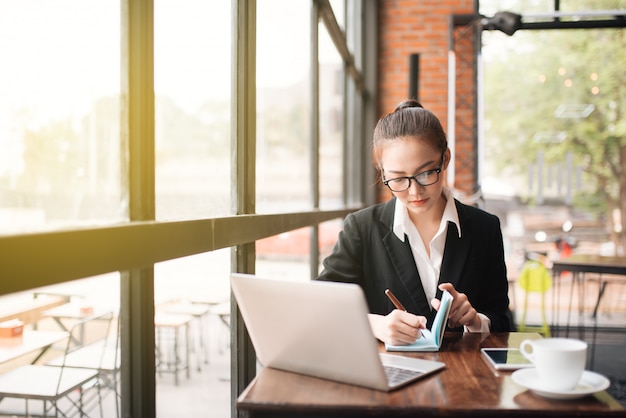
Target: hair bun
{"x": 408, "y": 104}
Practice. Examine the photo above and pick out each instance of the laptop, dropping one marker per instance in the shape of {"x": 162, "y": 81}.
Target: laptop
{"x": 320, "y": 329}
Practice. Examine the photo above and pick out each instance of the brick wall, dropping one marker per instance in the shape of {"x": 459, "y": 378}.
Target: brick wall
{"x": 421, "y": 27}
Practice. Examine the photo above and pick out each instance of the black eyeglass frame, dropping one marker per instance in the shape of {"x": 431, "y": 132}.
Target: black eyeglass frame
{"x": 414, "y": 177}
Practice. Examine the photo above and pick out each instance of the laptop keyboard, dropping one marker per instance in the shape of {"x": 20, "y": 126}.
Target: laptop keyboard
{"x": 397, "y": 375}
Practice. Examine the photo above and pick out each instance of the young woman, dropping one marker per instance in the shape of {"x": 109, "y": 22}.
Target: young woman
{"x": 422, "y": 241}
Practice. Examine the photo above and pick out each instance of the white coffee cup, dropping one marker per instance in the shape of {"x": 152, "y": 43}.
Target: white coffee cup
{"x": 559, "y": 362}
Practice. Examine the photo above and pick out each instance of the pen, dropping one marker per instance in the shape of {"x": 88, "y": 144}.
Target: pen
{"x": 394, "y": 300}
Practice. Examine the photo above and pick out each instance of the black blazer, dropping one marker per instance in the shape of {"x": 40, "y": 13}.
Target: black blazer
{"x": 369, "y": 254}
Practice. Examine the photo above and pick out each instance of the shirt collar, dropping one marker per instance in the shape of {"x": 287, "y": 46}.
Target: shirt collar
{"x": 401, "y": 215}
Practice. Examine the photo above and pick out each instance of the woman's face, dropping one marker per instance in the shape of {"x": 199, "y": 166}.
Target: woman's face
{"x": 409, "y": 156}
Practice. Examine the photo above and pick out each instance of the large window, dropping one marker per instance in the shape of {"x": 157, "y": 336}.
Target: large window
{"x": 283, "y": 106}
{"x": 126, "y": 132}
{"x": 192, "y": 79}
{"x": 551, "y": 129}
{"x": 61, "y": 153}
{"x": 551, "y": 145}
{"x": 332, "y": 123}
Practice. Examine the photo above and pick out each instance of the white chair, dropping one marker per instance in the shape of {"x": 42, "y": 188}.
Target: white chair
{"x": 42, "y": 390}
{"x": 103, "y": 351}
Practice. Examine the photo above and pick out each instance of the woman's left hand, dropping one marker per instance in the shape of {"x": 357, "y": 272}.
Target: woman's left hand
{"x": 462, "y": 313}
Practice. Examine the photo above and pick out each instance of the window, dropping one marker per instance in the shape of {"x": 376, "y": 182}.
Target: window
{"x": 80, "y": 117}
{"x": 283, "y": 106}
{"x": 192, "y": 108}
{"x": 61, "y": 156}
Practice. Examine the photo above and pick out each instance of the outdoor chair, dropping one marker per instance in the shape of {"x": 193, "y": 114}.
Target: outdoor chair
{"x": 45, "y": 390}
{"x": 535, "y": 278}
{"x": 103, "y": 351}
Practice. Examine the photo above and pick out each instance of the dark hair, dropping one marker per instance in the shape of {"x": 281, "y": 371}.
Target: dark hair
{"x": 408, "y": 119}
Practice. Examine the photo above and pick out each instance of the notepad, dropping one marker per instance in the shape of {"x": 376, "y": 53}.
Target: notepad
{"x": 430, "y": 340}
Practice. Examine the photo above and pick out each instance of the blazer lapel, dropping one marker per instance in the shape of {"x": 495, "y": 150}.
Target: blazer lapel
{"x": 403, "y": 263}
{"x": 456, "y": 251}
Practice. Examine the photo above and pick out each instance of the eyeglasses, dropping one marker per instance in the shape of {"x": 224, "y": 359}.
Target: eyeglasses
{"x": 425, "y": 178}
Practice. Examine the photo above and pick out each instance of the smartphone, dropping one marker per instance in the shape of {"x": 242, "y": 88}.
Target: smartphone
{"x": 506, "y": 358}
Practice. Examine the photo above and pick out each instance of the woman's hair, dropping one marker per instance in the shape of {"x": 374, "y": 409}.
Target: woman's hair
{"x": 408, "y": 119}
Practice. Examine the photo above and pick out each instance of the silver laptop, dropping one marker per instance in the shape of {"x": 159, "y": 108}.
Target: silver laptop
{"x": 320, "y": 329}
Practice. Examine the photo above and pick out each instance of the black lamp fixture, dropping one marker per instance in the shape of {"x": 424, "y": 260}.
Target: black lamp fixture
{"x": 507, "y": 22}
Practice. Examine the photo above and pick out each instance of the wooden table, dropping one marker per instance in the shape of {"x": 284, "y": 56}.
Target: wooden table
{"x": 467, "y": 387}
{"x": 579, "y": 265}
{"x": 30, "y": 342}
{"x": 26, "y": 308}
{"x": 170, "y": 360}
{"x": 73, "y": 312}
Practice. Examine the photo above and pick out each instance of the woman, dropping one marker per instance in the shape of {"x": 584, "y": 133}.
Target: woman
{"x": 422, "y": 241}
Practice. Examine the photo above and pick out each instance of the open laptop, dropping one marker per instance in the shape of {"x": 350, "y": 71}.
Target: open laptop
{"x": 320, "y": 329}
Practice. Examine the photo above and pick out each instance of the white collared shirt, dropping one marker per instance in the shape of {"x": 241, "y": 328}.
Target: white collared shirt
{"x": 428, "y": 267}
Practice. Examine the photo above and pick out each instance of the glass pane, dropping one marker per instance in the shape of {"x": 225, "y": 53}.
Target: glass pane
{"x": 551, "y": 147}
{"x": 201, "y": 277}
{"x": 283, "y": 106}
{"x": 332, "y": 118}
{"x": 556, "y": 151}
{"x": 192, "y": 330}
{"x": 192, "y": 87}
{"x": 50, "y": 321}
{"x": 60, "y": 162}
{"x": 329, "y": 232}
{"x": 285, "y": 256}
{"x": 192, "y": 121}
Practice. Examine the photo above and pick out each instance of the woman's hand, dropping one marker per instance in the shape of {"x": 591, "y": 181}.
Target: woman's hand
{"x": 398, "y": 327}
{"x": 462, "y": 312}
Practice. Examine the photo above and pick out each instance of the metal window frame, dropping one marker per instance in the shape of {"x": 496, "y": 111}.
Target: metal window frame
{"x": 32, "y": 260}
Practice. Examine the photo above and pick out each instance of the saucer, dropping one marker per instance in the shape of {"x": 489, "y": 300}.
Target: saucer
{"x": 589, "y": 383}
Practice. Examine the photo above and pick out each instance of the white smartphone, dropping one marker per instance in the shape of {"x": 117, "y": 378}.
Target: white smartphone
{"x": 506, "y": 358}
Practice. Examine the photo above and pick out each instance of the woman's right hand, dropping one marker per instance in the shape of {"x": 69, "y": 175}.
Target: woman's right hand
{"x": 398, "y": 327}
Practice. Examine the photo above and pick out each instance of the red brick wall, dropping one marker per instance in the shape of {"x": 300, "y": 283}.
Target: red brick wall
{"x": 422, "y": 27}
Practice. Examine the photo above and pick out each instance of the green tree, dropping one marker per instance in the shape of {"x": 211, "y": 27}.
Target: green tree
{"x": 555, "y": 92}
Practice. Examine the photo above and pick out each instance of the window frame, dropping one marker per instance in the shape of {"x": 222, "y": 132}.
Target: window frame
{"x": 33, "y": 260}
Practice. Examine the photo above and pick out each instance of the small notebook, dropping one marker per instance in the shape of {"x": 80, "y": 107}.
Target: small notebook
{"x": 430, "y": 339}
